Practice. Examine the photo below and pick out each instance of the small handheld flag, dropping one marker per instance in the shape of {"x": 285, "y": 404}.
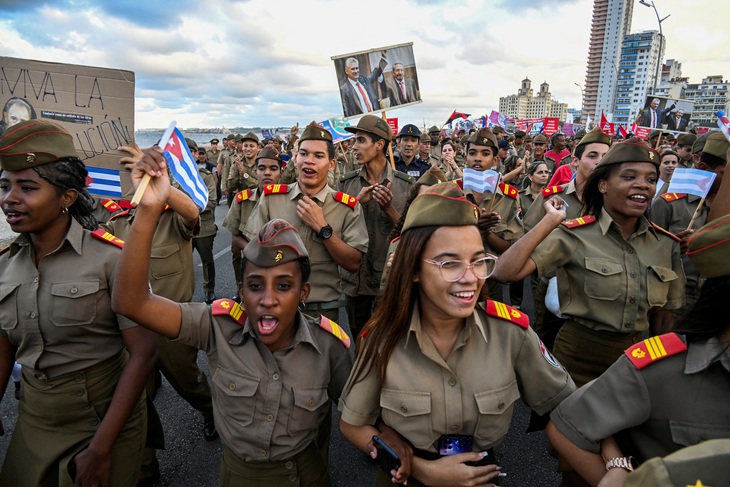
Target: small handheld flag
{"x": 480, "y": 181}
{"x": 691, "y": 181}
{"x": 724, "y": 123}
{"x": 184, "y": 169}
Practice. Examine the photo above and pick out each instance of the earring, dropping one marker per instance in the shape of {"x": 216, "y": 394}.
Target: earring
{"x": 64, "y": 210}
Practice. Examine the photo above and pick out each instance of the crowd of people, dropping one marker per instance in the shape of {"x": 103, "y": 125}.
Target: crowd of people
{"x": 625, "y": 363}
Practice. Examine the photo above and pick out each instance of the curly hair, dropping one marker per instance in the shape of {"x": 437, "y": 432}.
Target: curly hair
{"x": 70, "y": 173}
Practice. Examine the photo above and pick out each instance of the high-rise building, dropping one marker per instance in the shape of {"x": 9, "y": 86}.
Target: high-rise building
{"x": 711, "y": 95}
{"x": 611, "y": 22}
{"x": 672, "y": 83}
{"x": 525, "y": 105}
{"x": 637, "y": 68}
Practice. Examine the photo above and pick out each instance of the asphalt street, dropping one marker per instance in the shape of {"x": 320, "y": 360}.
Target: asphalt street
{"x": 189, "y": 460}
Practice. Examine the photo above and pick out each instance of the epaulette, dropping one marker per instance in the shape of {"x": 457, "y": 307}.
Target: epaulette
{"x": 345, "y": 199}
{"x": 579, "y": 222}
{"x": 105, "y": 236}
{"x": 669, "y": 197}
{"x": 119, "y": 215}
{"x": 508, "y": 190}
{"x": 125, "y": 204}
{"x": 349, "y": 175}
{"x": 2, "y": 251}
{"x": 403, "y": 176}
{"x": 459, "y": 182}
{"x": 666, "y": 232}
{"x": 276, "y": 189}
{"x": 110, "y": 205}
{"x": 655, "y": 348}
{"x": 332, "y": 327}
{"x": 395, "y": 239}
{"x": 243, "y": 195}
{"x": 508, "y": 313}
{"x": 230, "y": 308}
{"x": 547, "y": 192}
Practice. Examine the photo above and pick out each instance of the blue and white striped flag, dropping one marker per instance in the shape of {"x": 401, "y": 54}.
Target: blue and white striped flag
{"x": 691, "y": 181}
{"x": 480, "y": 181}
{"x": 184, "y": 169}
{"x": 104, "y": 182}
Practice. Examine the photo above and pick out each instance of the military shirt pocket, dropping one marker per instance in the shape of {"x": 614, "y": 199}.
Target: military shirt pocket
{"x": 495, "y": 412}
{"x": 411, "y": 412}
{"x": 166, "y": 261}
{"x": 9, "y": 307}
{"x": 687, "y": 434}
{"x": 305, "y": 413}
{"x": 658, "y": 281}
{"x": 603, "y": 278}
{"x": 74, "y": 303}
{"x": 236, "y": 394}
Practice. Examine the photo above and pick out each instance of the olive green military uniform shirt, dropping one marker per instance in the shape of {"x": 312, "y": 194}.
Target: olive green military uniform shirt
{"x": 266, "y": 405}
{"x": 226, "y": 158}
{"x": 537, "y": 211}
{"x": 527, "y": 198}
{"x": 58, "y": 315}
{"x": 172, "y": 274}
{"x": 238, "y": 180}
{"x": 207, "y": 216}
{"x": 347, "y": 222}
{"x": 238, "y": 214}
{"x": 493, "y": 364}
{"x": 510, "y": 228}
{"x": 379, "y": 226}
{"x": 673, "y": 402}
{"x": 606, "y": 283}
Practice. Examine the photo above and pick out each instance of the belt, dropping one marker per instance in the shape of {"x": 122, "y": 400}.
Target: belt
{"x": 339, "y": 303}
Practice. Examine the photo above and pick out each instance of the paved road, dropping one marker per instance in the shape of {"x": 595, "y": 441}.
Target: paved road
{"x": 190, "y": 461}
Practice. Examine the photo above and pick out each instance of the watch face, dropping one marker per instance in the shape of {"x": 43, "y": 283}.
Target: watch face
{"x": 326, "y": 232}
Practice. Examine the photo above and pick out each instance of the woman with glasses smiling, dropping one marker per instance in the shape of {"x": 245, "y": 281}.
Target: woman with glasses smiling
{"x": 439, "y": 364}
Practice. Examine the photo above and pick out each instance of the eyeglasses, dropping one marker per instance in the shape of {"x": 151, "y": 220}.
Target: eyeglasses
{"x": 453, "y": 270}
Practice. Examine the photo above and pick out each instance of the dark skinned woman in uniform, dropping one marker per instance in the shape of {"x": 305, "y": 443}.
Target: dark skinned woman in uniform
{"x": 274, "y": 370}
{"x": 618, "y": 275}
{"x": 81, "y": 411}
{"x": 436, "y": 361}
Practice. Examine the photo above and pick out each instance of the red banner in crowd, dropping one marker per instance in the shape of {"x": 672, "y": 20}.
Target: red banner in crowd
{"x": 393, "y": 122}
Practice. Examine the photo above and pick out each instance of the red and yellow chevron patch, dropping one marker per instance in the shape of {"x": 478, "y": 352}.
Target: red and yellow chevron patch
{"x": 669, "y": 197}
{"x": 276, "y": 189}
{"x": 655, "y": 348}
{"x": 508, "y": 190}
{"x": 547, "y": 192}
{"x": 105, "y": 236}
{"x": 332, "y": 327}
{"x": 243, "y": 195}
{"x": 346, "y": 199}
{"x": 508, "y": 313}
{"x": 579, "y": 222}
{"x": 110, "y": 205}
{"x": 229, "y": 307}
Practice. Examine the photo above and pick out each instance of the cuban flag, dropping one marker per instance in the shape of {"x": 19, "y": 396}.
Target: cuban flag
{"x": 480, "y": 181}
{"x": 337, "y": 135}
{"x": 691, "y": 181}
{"x": 724, "y": 123}
{"x": 104, "y": 182}
{"x": 184, "y": 169}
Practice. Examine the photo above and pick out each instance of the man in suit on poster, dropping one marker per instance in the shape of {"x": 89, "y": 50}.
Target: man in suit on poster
{"x": 652, "y": 116}
{"x": 358, "y": 94}
{"x": 401, "y": 90}
{"x": 676, "y": 121}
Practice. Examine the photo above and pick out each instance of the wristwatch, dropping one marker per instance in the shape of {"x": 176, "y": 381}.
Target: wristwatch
{"x": 325, "y": 232}
{"x": 628, "y": 463}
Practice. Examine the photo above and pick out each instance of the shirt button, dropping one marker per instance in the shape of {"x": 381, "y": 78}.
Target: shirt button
{"x": 292, "y": 478}
{"x": 289, "y": 465}
{"x": 94, "y": 422}
{"x": 232, "y": 386}
{"x": 32, "y": 314}
{"x": 78, "y": 377}
{"x": 631, "y": 251}
{"x": 632, "y": 300}
{"x": 633, "y": 274}
{"x": 269, "y": 417}
{"x": 35, "y": 280}
{"x": 311, "y": 403}
{"x": 454, "y": 427}
{"x": 452, "y": 382}
{"x": 604, "y": 270}
{"x": 262, "y": 452}
{"x": 86, "y": 406}
{"x": 275, "y": 376}
{"x": 627, "y": 325}
{"x": 79, "y": 392}
{"x": 74, "y": 290}
{"x": 403, "y": 408}
{"x": 500, "y": 405}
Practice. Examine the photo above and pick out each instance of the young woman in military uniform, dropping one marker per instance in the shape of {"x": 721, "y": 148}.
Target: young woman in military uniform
{"x": 665, "y": 393}
{"x": 81, "y": 412}
{"x": 274, "y": 370}
{"x": 434, "y": 362}
{"x": 617, "y": 273}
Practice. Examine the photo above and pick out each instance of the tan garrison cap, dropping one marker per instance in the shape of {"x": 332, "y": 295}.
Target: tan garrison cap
{"x": 717, "y": 145}
{"x": 191, "y": 145}
{"x": 484, "y": 137}
{"x": 686, "y": 139}
{"x": 540, "y": 139}
{"x": 425, "y": 138}
{"x": 269, "y": 153}
{"x": 595, "y": 136}
{"x": 433, "y": 129}
{"x": 699, "y": 144}
{"x": 250, "y": 136}
{"x": 373, "y": 125}
{"x": 443, "y": 204}
{"x": 709, "y": 248}
{"x": 276, "y": 243}
{"x": 434, "y": 175}
{"x": 313, "y": 131}
{"x": 630, "y": 152}
{"x": 34, "y": 143}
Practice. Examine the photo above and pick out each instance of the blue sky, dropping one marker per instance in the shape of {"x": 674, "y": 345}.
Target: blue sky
{"x": 267, "y": 63}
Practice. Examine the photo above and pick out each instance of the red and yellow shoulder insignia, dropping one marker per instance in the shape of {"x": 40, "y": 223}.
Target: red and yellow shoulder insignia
{"x": 508, "y": 190}
{"x": 459, "y": 183}
{"x": 166, "y": 208}
{"x": 579, "y": 222}
{"x": 547, "y": 192}
{"x": 108, "y": 237}
{"x": 666, "y": 232}
{"x": 332, "y": 327}
{"x": 508, "y": 313}
{"x": 229, "y": 307}
{"x": 346, "y": 199}
{"x": 110, "y": 205}
{"x": 669, "y": 197}
{"x": 655, "y": 348}
{"x": 125, "y": 204}
{"x": 276, "y": 189}
{"x": 243, "y": 195}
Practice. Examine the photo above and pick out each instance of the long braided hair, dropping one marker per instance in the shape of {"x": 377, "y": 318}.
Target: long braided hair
{"x": 70, "y": 173}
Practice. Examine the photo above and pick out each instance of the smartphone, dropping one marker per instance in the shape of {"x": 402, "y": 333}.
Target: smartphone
{"x": 387, "y": 459}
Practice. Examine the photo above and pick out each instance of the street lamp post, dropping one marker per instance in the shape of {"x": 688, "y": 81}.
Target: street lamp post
{"x": 661, "y": 41}
{"x": 581, "y": 99}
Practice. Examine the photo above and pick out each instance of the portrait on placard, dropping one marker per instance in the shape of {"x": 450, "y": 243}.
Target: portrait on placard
{"x": 16, "y": 110}
{"x": 666, "y": 113}
{"x": 377, "y": 80}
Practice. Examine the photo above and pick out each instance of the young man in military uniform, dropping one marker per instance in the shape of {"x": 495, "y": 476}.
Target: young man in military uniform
{"x": 331, "y": 224}
{"x": 226, "y": 161}
{"x": 408, "y": 161}
{"x": 539, "y": 144}
{"x": 424, "y": 151}
{"x": 242, "y": 172}
{"x": 382, "y": 193}
{"x": 435, "y": 134}
{"x": 268, "y": 171}
{"x": 203, "y": 240}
